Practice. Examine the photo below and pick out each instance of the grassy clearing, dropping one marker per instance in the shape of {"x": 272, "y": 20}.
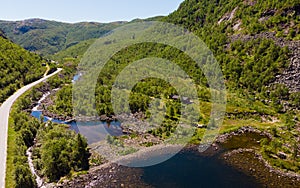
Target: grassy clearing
{"x": 10, "y": 167}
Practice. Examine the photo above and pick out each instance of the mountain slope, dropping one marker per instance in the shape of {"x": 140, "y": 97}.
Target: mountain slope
{"x": 223, "y": 24}
{"x": 18, "y": 67}
{"x": 241, "y": 16}
{"x": 48, "y": 37}
{"x": 257, "y": 45}
{"x": 75, "y": 52}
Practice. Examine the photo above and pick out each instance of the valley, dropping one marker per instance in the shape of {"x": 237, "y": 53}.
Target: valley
{"x": 95, "y": 143}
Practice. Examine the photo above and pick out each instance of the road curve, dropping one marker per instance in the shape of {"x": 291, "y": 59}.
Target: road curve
{"x": 4, "y": 115}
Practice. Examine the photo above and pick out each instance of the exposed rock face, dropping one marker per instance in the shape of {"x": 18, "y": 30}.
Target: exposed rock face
{"x": 250, "y": 2}
{"x": 228, "y": 16}
{"x": 291, "y": 76}
{"x": 2, "y": 34}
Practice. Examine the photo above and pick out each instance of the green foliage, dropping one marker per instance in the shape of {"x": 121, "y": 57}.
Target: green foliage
{"x": 255, "y": 16}
{"x": 75, "y": 52}
{"x": 295, "y": 98}
{"x": 18, "y": 68}
{"x": 23, "y": 177}
{"x": 25, "y": 130}
{"x": 248, "y": 67}
{"x": 127, "y": 151}
{"x": 282, "y": 149}
{"x": 254, "y": 64}
{"x": 62, "y": 151}
{"x": 48, "y": 37}
{"x": 63, "y": 102}
{"x": 114, "y": 141}
{"x": 289, "y": 121}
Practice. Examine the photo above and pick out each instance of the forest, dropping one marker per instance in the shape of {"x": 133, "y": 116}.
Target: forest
{"x": 249, "y": 67}
{"x": 18, "y": 68}
{"x": 49, "y": 37}
{"x": 57, "y": 150}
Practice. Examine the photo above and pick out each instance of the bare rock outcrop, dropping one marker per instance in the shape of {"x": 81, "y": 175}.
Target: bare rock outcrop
{"x": 291, "y": 75}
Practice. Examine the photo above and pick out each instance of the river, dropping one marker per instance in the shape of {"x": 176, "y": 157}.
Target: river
{"x": 94, "y": 131}
{"x": 191, "y": 169}
{"x": 186, "y": 169}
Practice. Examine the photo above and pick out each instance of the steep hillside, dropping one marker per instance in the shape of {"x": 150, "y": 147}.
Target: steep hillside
{"x": 241, "y": 16}
{"x": 256, "y": 43}
{"x": 18, "y": 67}
{"x": 48, "y": 37}
{"x": 2, "y": 34}
{"x": 257, "y": 46}
{"x": 229, "y": 27}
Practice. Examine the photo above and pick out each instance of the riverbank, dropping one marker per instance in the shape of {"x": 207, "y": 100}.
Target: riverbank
{"x": 239, "y": 149}
{"x": 252, "y": 163}
{"x": 48, "y": 101}
{"x": 242, "y": 155}
{"x": 107, "y": 175}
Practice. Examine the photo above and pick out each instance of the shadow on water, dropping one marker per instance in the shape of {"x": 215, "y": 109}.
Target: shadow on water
{"x": 191, "y": 169}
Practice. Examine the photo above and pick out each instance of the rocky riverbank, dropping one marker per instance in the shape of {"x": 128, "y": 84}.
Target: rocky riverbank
{"x": 237, "y": 149}
{"x": 49, "y": 102}
{"x": 240, "y": 149}
{"x": 252, "y": 163}
{"x": 108, "y": 175}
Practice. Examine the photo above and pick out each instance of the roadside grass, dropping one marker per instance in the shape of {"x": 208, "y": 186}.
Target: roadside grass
{"x": 9, "y": 179}
{"x": 11, "y": 145}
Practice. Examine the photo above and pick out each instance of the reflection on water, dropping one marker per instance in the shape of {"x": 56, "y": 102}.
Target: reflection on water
{"x": 93, "y": 131}
{"x": 97, "y": 131}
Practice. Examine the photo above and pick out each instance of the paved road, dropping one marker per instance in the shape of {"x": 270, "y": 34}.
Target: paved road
{"x": 4, "y": 115}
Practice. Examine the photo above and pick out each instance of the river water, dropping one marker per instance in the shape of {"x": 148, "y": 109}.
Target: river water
{"x": 191, "y": 169}
{"x": 186, "y": 169}
{"x": 94, "y": 131}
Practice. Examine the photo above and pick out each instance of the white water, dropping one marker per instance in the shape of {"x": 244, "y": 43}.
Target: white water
{"x": 40, "y": 101}
{"x": 38, "y": 179}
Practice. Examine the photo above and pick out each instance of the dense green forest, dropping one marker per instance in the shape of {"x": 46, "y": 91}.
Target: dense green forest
{"x": 57, "y": 150}
{"x": 18, "y": 68}
{"x": 249, "y": 68}
{"x": 73, "y": 53}
{"x": 48, "y": 37}
{"x": 254, "y": 73}
{"x": 249, "y": 17}
{"x": 261, "y": 59}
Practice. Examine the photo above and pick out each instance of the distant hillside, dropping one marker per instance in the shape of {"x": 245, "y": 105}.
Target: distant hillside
{"x": 75, "y": 52}
{"x": 2, "y": 34}
{"x": 256, "y": 43}
{"x": 18, "y": 68}
{"x": 48, "y": 37}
